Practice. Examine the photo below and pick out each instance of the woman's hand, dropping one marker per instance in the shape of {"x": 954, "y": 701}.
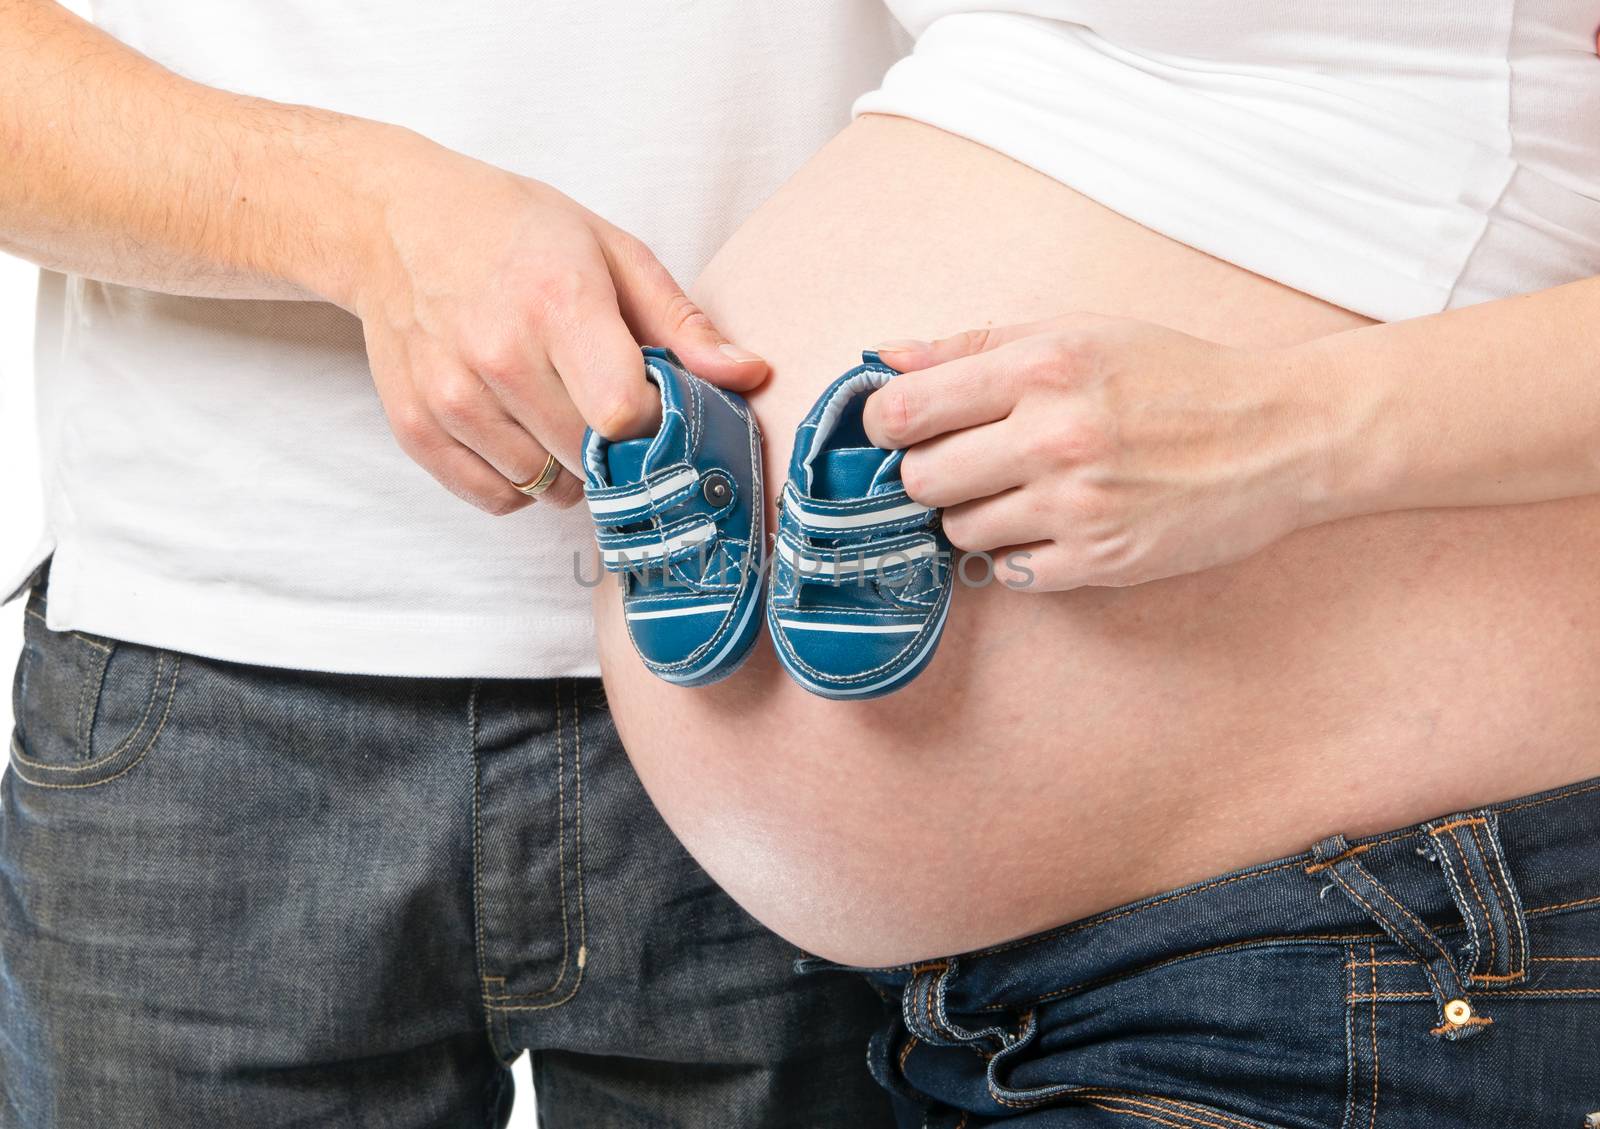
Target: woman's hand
{"x": 1111, "y": 451}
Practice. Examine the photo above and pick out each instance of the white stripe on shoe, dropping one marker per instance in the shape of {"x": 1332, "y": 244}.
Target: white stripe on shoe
{"x": 673, "y": 613}
{"x": 696, "y": 534}
{"x": 643, "y": 493}
{"x": 819, "y": 519}
{"x": 815, "y": 564}
{"x": 852, "y": 628}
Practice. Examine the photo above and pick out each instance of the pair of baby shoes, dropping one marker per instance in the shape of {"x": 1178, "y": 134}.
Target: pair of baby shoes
{"x": 861, "y": 575}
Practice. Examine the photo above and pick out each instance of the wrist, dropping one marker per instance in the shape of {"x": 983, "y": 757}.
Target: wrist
{"x": 335, "y": 174}
{"x": 1350, "y": 468}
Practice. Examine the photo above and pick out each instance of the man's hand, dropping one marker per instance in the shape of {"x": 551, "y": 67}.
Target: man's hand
{"x": 499, "y": 325}
{"x": 1112, "y": 452}
{"x": 499, "y": 315}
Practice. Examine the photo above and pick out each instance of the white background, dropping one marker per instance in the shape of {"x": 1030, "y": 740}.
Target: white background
{"x": 20, "y": 519}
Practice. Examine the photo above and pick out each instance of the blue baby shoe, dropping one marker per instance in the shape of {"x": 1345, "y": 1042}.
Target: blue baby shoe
{"x": 861, "y": 575}
{"x": 680, "y": 518}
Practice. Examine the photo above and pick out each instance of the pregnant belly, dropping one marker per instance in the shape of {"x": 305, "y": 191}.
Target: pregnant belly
{"x": 1072, "y": 751}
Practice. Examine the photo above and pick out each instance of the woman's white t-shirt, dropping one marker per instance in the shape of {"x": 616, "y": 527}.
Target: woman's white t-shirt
{"x": 1394, "y": 158}
{"x": 219, "y": 477}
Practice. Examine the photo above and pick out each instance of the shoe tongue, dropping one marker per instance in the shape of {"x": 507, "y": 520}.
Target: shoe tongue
{"x": 847, "y": 472}
{"x": 631, "y": 460}
{"x": 625, "y": 460}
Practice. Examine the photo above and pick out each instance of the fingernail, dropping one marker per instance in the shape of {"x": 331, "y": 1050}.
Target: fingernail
{"x": 900, "y": 345}
{"x": 734, "y": 353}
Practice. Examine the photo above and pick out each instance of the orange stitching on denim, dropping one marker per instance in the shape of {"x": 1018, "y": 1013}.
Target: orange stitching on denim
{"x": 1523, "y": 993}
{"x": 1114, "y": 977}
{"x": 1142, "y": 1116}
{"x": 962, "y": 1124}
{"x": 1564, "y": 905}
{"x": 1352, "y": 852}
{"x": 1411, "y": 917}
{"x": 1078, "y": 926}
{"x": 1209, "y": 1119}
{"x": 1475, "y": 1021}
{"x": 1516, "y": 921}
{"x": 1427, "y": 968}
{"x": 1454, "y": 823}
{"x": 1562, "y": 795}
{"x": 1459, "y": 897}
{"x": 930, "y": 966}
{"x": 1382, "y": 964}
{"x": 1226, "y": 1118}
{"x": 905, "y": 1051}
{"x": 1568, "y": 960}
{"x": 1097, "y": 982}
{"x": 1372, "y": 953}
{"x": 1477, "y": 894}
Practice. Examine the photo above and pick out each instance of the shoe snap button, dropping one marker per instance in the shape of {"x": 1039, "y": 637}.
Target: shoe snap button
{"x": 717, "y": 489}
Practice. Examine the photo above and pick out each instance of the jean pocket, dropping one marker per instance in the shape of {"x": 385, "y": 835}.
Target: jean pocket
{"x": 87, "y": 708}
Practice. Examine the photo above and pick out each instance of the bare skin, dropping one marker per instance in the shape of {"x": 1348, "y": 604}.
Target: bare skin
{"x": 1068, "y": 751}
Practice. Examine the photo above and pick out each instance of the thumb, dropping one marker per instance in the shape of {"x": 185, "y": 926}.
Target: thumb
{"x": 660, "y": 313}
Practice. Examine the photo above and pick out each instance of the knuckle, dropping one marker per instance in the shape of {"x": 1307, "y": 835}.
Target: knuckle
{"x": 496, "y": 361}
{"x": 558, "y": 292}
{"x": 1090, "y": 506}
{"x": 895, "y": 419}
{"x": 1078, "y": 442}
{"x": 683, "y": 315}
{"x": 975, "y": 340}
{"x": 960, "y": 535}
{"x": 414, "y": 428}
{"x": 960, "y": 528}
{"x": 620, "y": 413}
{"x": 915, "y": 477}
{"x": 499, "y": 503}
{"x": 455, "y": 402}
{"x": 1063, "y": 356}
{"x": 566, "y": 492}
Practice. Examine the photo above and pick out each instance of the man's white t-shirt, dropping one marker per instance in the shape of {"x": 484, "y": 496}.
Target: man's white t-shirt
{"x": 219, "y": 477}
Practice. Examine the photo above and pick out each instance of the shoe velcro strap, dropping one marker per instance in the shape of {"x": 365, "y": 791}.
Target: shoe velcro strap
{"x": 846, "y": 564}
{"x": 879, "y": 513}
{"x": 637, "y": 501}
{"x": 676, "y": 541}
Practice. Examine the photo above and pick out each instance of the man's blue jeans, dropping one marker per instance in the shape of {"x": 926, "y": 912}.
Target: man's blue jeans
{"x": 239, "y": 898}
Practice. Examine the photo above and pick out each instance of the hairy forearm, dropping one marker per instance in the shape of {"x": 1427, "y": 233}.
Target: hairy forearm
{"x": 1493, "y": 404}
{"x": 115, "y": 168}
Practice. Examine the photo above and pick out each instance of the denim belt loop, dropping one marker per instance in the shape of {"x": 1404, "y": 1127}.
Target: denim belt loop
{"x": 1335, "y": 858}
{"x": 922, "y": 1005}
{"x": 1467, "y": 847}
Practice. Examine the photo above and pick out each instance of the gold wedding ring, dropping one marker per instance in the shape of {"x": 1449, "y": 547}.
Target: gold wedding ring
{"x": 542, "y": 483}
